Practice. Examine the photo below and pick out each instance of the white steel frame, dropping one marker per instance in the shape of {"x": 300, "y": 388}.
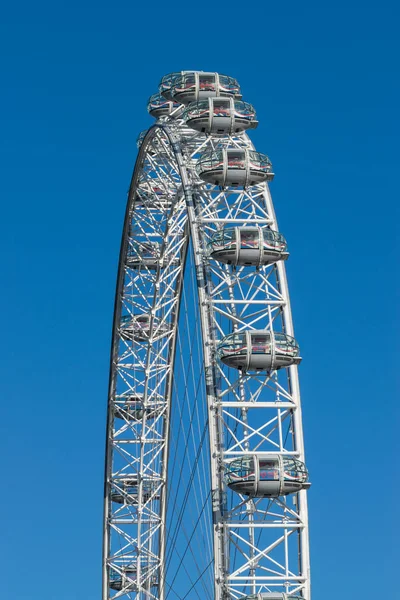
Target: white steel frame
{"x": 260, "y": 545}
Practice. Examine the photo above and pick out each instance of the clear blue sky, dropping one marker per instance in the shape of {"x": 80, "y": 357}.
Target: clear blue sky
{"x": 75, "y": 80}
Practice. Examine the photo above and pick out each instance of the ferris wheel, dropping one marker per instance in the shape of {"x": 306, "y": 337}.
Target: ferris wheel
{"x": 202, "y": 317}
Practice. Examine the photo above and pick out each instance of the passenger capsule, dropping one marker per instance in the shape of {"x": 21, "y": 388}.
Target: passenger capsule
{"x": 253, "y": 246}
{"x": 258, "y": 350}
{"x": 138, "y": 327}
{"x": 266, "y": 476}
{"x": 234, "y": 167}
{"x": 155, "y": 196}
{"x": 158, "y": 106}
{"x": 147, "y": 254}
{"x": 191, "y": 86}
{"x": 132, "y": 408}
{"x": 143, "y": 254}
{"x": 126, "y": 491}
{"x": 126, "y": 579}
{"x": 220, "y": 116}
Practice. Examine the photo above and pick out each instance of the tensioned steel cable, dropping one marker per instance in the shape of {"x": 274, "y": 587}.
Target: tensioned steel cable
{"x": 179, "y": 373}
{"x": 199, "y": 369}
{"x": 179, "y": 523}
{"x": 188, "y": 592}
{"x": 188, "y": 544}
{"x": 188, "y": 331}
{"x": 186, "y": 496}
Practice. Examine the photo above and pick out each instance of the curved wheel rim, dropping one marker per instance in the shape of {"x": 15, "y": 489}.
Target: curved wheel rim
{"x": 259, "y": 545}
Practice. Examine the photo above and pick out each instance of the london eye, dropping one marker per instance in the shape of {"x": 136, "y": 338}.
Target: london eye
{"x": 205, "y": 476}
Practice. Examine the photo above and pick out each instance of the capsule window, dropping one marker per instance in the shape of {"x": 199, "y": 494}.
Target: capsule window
{"x": 249, "y": 239}
{"x": 148, "y": 249}
{"x": 228, "y": 83}
{"x": 189, "y": 80}
{"x": 235, "y": 339}
{"x": 234, "y": 344}
{"x": 142, "y": 319}
{"x": 273, "y": 239}
{"x": 160, "y": 103}
{"x": 132, "y": 490}
{"x": 243, "y": 109}
{"x": 242, "y": 469}
{"x": 281, "y": 337}
{"x": 209, "y": 163}
{"x": 290, "y": 469}
{"x": 236, "y": 160}
{"x": 200, "y": 109}
{"x": 269, "y": 470}
{"x": 294, "y": 469}
{"x": 207, "y": 83}
{"x": 260, "y": 344}
{"x": 167, "y": 79}
{"x": 218, "y": 238}
{"x": 230, "y": 237}
{"x": 221, "y": 107}
{"x": 145, "y": 249}
{"x": 268, "y": 238}
{"x": 260, "y": 339}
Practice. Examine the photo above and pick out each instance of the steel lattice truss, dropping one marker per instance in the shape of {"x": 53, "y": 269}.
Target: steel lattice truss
{"x": 260, "y": 544}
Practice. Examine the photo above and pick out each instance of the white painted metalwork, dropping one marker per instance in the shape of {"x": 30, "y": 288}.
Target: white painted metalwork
{"x": 260, "y": 544}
